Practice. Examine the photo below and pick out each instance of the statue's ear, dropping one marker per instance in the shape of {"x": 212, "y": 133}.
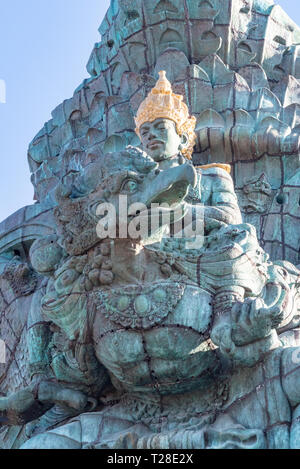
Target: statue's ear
{"x": 184, "y": 141}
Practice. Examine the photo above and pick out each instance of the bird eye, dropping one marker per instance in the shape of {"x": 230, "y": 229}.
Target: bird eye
{"x": 245, "y": 9}
{"x": 130, "y": 186}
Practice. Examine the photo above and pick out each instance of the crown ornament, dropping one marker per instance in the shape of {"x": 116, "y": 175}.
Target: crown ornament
{"x": 161, "y": 102}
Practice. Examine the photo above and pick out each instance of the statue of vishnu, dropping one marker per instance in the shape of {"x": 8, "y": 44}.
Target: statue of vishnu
{"x": 140, "y": 344}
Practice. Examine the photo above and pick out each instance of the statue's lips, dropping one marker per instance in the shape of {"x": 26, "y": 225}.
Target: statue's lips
{"x": 154, "y": 144}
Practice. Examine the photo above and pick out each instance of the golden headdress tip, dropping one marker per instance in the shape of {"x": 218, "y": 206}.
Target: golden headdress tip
{"x": 161, "y": 102}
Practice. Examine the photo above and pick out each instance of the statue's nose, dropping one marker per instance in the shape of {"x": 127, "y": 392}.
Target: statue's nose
{"x": 151, "y": 136}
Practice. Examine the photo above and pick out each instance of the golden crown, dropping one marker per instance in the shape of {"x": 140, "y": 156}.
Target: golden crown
{"x": 161, "y": 102}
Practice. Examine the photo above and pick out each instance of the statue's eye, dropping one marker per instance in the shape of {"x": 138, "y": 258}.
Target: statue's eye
{"x": 163, "y": 126}
{"x": 130, "y": 186}
{"x": 144, "y": 132}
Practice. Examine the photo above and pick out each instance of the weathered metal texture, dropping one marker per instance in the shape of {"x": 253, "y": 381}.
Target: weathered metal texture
{"x": 159, "y": 345}
{"x": 236, "y": 63}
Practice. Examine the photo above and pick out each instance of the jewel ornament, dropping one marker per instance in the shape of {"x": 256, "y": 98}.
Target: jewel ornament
{"x": 139, "y": 306}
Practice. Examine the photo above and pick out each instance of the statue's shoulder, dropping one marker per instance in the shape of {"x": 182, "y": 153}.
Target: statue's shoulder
{"x": 215, "y": 174}
{"x": 221, "y": 169}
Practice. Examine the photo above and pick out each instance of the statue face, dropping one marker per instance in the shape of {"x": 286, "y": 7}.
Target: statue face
{"x": 161, "y": 140}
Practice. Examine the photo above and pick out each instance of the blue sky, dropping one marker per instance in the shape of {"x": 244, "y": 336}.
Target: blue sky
{"x": 44, "y": 48}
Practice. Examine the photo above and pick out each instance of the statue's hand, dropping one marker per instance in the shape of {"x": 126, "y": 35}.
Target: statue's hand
{"x": 251, "y": 320}
{"x": 214, "y": 218}
{"x": 55, "y": 393}
{"x": 34, "y": 401}
{"x": 21, "y": 407}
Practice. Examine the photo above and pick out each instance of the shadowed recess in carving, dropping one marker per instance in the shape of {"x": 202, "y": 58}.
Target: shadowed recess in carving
{"x": 171, "y": 38}
{"x": 131, "y": 15}
{"x": 165, "y": 5}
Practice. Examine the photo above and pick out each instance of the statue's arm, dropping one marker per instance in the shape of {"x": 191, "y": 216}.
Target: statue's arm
{"x": 53, "y": 380}
{"x": 38, "y": 336}
{"x": 219, "y": 198}
{"x": 290, "y": 379}
{"x": 249, "y": 328}
{"x": 291, "y": 375}
{"x": 45, "y": 391}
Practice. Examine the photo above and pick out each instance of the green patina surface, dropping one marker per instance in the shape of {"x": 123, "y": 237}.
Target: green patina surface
{"x": 155, "y": 342}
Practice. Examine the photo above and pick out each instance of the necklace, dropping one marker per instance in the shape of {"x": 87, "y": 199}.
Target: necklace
{"x": 140, "y": 306}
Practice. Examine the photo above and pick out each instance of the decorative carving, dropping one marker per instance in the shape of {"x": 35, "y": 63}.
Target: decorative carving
{"x": 220, "y": 310}
{"x": 21, "y": 278}
{"x": 171, "y": 338}
{"x": 140, "y": 307}
{"x": 258, "y": 192}
{"x": 165, "y": 5}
